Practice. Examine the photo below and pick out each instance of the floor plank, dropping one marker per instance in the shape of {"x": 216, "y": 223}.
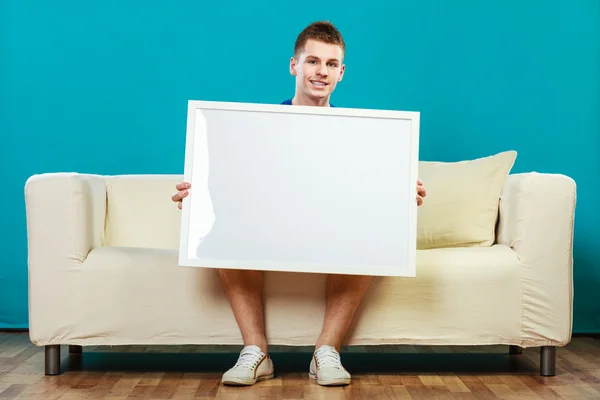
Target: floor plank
{"x": 386, "y": 372}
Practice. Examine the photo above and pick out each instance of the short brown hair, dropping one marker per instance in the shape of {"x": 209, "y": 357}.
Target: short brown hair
{"x": 322, "y": 31}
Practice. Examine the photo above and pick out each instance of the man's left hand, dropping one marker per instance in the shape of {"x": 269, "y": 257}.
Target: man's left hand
{"x": 421, "y": 192}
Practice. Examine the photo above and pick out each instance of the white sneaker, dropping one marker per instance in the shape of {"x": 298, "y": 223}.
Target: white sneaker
{"x": 252, "y": 366}
{"x": 326, "y": 367}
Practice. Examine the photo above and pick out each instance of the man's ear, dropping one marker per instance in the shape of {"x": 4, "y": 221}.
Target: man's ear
{"x": 342, "y": 70}
{"x": 293, "y": 64}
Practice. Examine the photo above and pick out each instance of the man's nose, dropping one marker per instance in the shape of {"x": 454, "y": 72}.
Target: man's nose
{"x": 322, "y": 70}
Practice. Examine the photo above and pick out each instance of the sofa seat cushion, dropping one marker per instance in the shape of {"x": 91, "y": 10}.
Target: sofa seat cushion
{"x": 129, "y": 295}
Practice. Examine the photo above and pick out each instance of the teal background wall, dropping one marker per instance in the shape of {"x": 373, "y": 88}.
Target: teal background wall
{"x": 102, "y": 87}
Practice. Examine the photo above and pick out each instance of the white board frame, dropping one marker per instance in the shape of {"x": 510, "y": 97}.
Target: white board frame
{"x": 408, "y": 270}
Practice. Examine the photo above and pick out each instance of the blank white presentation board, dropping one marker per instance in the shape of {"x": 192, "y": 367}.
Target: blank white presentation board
{"x": 300, "y": 189}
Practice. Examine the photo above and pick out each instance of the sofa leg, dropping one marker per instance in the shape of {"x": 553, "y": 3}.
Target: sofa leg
{"x": 548, "y": 361}
{"x": 515, "y": 349}
{"x": 52, "y": 362}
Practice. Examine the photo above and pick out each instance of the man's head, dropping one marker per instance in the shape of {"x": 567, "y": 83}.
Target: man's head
{"x": 317, "y": 63}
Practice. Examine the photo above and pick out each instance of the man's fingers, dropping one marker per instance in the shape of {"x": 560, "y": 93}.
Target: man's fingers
{"x": 179, "y": 195}
{"x": 182, "y": 192}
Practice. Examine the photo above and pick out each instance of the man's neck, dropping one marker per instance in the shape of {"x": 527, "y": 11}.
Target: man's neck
{"x": 300, "y": 100}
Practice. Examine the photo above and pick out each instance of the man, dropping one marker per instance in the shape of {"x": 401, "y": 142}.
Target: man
{"x": 318, "y": 66}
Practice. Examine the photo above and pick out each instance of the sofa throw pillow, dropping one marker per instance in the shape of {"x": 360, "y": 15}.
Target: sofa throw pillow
{"x": 461, "y": 206}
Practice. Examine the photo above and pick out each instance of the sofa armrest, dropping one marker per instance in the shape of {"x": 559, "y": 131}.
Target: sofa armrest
{"x": 536, "y": 219}
{"x": 65, "y": 214}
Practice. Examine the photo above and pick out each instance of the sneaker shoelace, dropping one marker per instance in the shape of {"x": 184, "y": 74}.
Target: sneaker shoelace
{"x": 329, "y": 358}
{"x": 248, "y": 358}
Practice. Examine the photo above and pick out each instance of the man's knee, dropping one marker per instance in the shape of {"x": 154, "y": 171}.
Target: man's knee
{"x": 240, "y": 276}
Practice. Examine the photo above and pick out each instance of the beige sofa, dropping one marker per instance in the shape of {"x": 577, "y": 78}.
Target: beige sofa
{"x": 494, "y": 267}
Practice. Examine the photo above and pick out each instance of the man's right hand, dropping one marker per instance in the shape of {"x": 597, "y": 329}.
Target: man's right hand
{"x": 182, "y": 192}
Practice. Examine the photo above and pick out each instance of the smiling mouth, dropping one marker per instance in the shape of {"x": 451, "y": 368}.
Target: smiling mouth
{"x": 319, "y": 83}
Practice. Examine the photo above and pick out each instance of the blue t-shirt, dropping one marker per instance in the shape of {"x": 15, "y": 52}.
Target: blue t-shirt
{"x": 288, "y": 102}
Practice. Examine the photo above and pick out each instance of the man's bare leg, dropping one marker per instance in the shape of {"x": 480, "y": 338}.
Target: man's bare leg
{"x": 244, "y": 289}
{"x": 344, "y": 294}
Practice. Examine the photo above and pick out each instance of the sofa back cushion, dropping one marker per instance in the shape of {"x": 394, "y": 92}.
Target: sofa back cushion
{"x": 461, "y": 206}
{"x": 140, "y": 212}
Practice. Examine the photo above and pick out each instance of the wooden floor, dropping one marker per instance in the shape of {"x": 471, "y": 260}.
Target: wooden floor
{"x": 401, "y": 372}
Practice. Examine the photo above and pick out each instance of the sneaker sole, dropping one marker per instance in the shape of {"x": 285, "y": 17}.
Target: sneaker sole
{"x": 330, "y": 382}
{"x": 246, "y": 382}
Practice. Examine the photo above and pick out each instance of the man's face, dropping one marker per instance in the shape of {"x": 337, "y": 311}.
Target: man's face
{"x": 318, "y": 69}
